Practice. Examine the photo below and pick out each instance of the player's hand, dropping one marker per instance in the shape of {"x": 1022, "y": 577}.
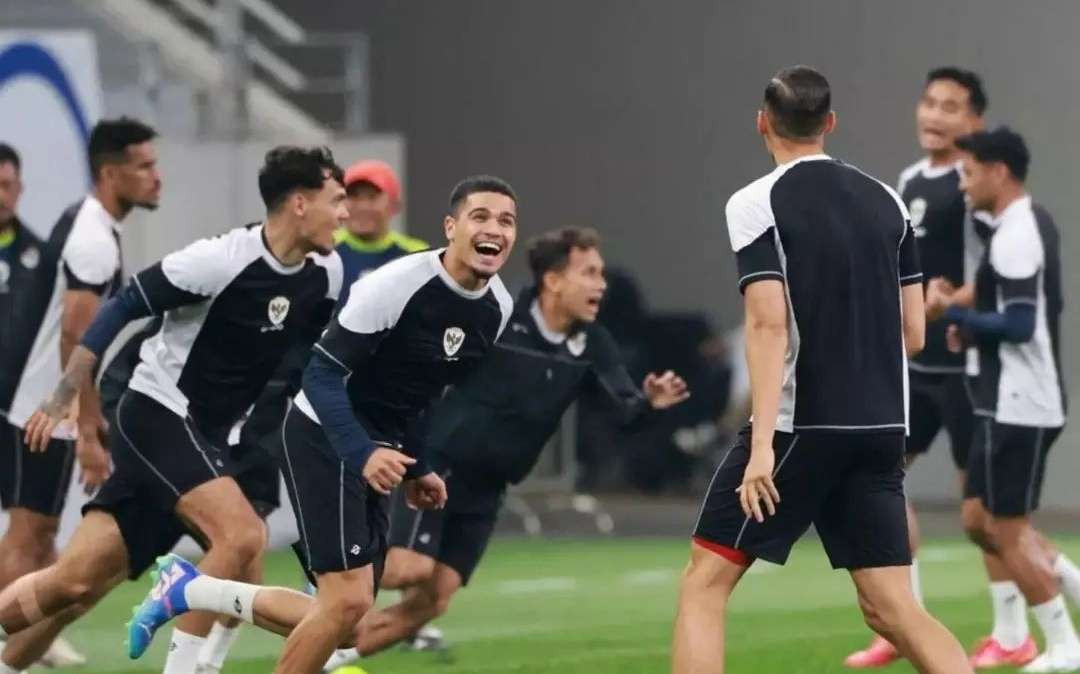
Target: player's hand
{"x": 40, "y": 427}
{"x": 939, "y": 292}
{"x": 95, "y": 465}
{"x": 385, "y": 469}
{"x": 426, "y": 493}
{"x": 954, "y": 339}
{"x": 757, "y": 485}
{"x": 664, "y": 390}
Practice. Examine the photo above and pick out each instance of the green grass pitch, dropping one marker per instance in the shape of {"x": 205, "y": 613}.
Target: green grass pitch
{"x": 604, "y": 607}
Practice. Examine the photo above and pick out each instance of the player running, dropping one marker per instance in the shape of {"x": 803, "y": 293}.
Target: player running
{"x": 828, "y": 265}
{"x": 1019, "y": 397}
{"x": 487, "y": 433}
{"x": 54, "y": 290}
{"x": 232, "y": 306}
{"x": 409, "y": 329}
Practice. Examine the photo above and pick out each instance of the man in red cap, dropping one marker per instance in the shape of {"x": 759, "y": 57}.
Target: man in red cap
{"x": 367, "y": 242}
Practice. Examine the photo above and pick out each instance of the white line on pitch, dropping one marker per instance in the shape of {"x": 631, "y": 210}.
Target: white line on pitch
{"x": 534, "y": 585}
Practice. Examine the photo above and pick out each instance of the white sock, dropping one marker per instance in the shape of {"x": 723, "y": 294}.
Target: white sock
{"x": 1056, "y": 624}
{"x": 226, "y": 597}
{"x": 4, "y": 669}
{"x": 1069, "y": 576}
{"x": 916, "y": 582}
{"x": 217, "y": 645}
{"x": 1010, "y": 614}
{"x": 341, "y": 657}
{"x": 183, "y": 653}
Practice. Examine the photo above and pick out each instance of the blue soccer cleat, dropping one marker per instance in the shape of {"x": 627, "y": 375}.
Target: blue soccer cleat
{"x": 164, "y": 602}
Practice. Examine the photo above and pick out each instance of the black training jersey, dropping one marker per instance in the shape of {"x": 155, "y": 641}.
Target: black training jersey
{"x": 408, "y": 331}
{"x": 82, "y": 253}
{"x": 231, "y": 313}
{"x": 498, "y": 419}
{"x": 841, "y": 243}
{"x": 939, "y": 219}
{"x": 26, "y": 266}
{"x": 1020, "y": 384}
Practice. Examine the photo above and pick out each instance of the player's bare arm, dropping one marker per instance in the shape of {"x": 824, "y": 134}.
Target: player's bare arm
{"x": 766, "y": 344}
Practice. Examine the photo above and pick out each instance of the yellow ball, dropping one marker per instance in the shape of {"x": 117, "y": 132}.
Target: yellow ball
{"x": 350, "y": 669}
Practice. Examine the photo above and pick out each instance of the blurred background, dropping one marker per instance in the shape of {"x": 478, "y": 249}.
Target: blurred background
{"x": 630, "y": 116}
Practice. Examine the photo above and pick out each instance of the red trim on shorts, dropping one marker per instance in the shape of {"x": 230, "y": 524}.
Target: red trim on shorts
{"x": 731, "y": 554}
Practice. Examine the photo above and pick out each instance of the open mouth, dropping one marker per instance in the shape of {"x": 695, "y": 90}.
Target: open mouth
{"x": 593, "y": 302}
{"x": 487, "y": 248}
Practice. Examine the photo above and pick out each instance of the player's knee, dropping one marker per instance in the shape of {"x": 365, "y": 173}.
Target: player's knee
{"x": 245, "y": 544}
{"x": 976, "y": 528}
{"x": 883, "y": 614}
{"x": 350, "y": 606}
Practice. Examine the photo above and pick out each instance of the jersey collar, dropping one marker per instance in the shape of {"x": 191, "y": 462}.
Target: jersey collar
{"x": 928, "y": 170}
{"x": 436, "y": 262}
{"x": 275, "y": 263}
{"x": 541, "y": 325}
{"x": 1018, "y": 205}
{"x": 104, "y": 216}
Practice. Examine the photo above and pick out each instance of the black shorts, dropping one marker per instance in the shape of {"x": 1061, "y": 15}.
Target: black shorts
{"x": 941, "y": 400}
{"x": 342, "y": 522}
{"x": 1007, "y": 465}
{"x": 37, "y": 482}
{"x": 158, "y": 457}
{"x": 257, "y": 474}
{"x": 849, "y": 486}
{"x": 456, "y": 536}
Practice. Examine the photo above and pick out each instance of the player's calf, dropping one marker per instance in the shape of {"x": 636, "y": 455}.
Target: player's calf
{"x": 406, "y": 568}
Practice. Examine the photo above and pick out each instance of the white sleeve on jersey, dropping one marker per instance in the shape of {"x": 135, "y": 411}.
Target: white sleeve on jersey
{"x": 335, "y": 272}
{"x": 749, "y": 213}
{"x": 91, "y": 253}
{"x": 206, "y": 266}
{"x": 376, "y": 300}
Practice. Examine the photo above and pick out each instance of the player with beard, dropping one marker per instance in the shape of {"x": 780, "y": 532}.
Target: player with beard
{"x": 409, "y": 329}
{"x": 232, "y": 306}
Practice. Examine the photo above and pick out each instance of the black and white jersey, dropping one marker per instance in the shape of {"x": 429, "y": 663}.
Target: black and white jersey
{"x": 1020, "y": 383}
{"x": 408, "y": 331}
{"x": 940, "y": 222}
{"x": 841, "y": 243}
{"x": 497, "y": 421}
{"x": 231, "y": 312}
{"x": 26, "y": 268}
{"x": 82, "y": 253}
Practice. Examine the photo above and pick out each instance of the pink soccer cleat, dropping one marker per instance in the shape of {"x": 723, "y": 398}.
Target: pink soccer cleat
{"x": 989, "y": 653}
{"x": 879, "y": 653}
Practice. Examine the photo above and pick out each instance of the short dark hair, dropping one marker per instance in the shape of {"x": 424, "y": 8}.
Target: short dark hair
{"x": 966, "y": 79}
{"x": 551, "y": 251}
{"x": 481, "y": 183}
{"x": 798, "y": 100}
{"x": 288, "y": 168}
{"x": 1000, "y": 145}
{"x": 111, "y": 138}
{"x": 8, "y": 155}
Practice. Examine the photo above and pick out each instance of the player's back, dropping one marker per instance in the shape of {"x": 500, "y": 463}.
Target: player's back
{"x": 837, "y": 234}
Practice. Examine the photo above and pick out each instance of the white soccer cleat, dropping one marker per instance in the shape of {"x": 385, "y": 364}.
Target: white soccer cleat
{"x": 1055, "y": 660}
{"x": 62, "y": 654}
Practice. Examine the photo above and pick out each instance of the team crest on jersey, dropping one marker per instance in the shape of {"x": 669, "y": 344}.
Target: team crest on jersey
{"x": 576, "y": 344}
{"x": 30, "y": 258}
{"x": 917, "y": 210}
{"x": 452, "y": 340}
{"x": 278, "y": 309}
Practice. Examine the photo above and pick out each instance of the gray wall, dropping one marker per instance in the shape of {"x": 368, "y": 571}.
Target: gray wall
{"x": 637, "y": 116}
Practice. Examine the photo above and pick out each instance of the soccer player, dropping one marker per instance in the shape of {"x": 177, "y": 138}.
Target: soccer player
{"x": 488, "y": 432}
{"x": 232, "y": 306}
{"x": 952, "y": 105}
{"x": 1019, "y": 397}
{"x": 366, "y": 242}
{"x": 61, "y": 284}
{"x": 410, "y": 328}
{"x": 833, "y": 294}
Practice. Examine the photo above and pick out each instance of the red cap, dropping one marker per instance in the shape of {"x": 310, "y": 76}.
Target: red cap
{"x": 376, "y": 172}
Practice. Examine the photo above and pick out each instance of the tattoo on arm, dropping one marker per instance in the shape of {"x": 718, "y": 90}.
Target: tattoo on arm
{"x": 76, "y": 374}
